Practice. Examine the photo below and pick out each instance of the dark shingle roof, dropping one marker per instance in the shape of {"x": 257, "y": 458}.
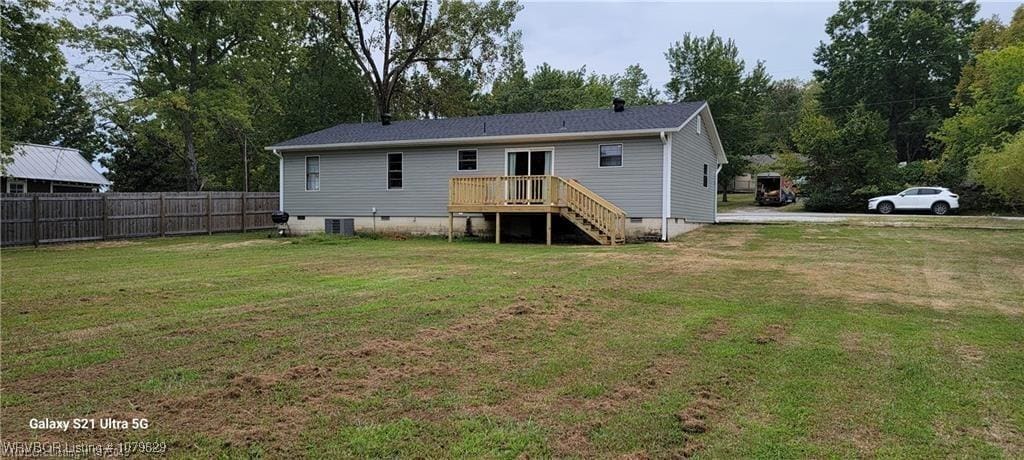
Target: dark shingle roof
{"x": 654, "y": 117}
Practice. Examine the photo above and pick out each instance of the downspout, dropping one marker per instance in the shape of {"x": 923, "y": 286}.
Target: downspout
{"x": 280, "y": 180}
{"x": 718, "y": 170}
{"x": 666, "y": 182}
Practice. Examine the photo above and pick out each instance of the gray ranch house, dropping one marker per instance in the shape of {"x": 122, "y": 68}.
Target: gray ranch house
{"x": 612, "y": 174}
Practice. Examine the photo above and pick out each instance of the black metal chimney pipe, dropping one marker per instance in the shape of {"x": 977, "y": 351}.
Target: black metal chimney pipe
{"x": 618, "y": 104}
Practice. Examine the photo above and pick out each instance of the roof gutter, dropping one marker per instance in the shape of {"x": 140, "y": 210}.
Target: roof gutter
{"x": 476, "y": 139}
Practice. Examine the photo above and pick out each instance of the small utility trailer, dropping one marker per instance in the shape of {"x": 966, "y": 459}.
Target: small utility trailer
{"x": 774, "y": 190}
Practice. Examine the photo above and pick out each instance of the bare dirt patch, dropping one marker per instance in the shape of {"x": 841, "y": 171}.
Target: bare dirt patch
{"x": 716, "y": 330}
{"x": 94, "y": 245}
{"x": 695, "y": 419}
{"x": 773, "y": 333}
{"x": 1004, "y": 435}
{"x": 248, "y": 243}
{"x": 78, "y": 335}
{"x": 852, "y": 342}
{"x": 867, "y": 283}
{"x": 970, "y": 354}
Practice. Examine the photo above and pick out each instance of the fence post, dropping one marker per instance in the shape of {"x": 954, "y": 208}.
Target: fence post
{"x": 243, "y": 212}
{"x": 77, "y": 206}
{"x": 35, "y": 221}
{"x": 163, "y": 228}
{"x": 209, "y": 213}
{"x": 106, "y": 215}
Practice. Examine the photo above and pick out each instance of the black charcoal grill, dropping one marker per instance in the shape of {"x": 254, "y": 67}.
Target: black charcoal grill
{"x": 280, "y": 219}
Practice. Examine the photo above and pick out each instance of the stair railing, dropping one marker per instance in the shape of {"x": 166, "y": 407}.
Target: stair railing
{"x": 599, "y": 212}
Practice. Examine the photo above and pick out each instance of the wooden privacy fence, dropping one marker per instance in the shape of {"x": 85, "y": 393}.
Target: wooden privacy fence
{"x": 40, "y": 218}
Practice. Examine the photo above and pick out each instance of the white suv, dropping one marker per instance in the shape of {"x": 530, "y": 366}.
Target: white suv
{"x": 937, "y": 199}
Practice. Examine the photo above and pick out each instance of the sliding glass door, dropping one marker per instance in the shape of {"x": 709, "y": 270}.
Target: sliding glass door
{"x": 529, "y": 163}
{"x": 528, "y": 190}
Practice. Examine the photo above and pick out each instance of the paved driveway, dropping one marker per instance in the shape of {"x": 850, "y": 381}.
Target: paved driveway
{"x": 770, "y": 215}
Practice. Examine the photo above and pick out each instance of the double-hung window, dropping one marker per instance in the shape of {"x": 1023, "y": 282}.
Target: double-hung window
{"x": 705, "y": 175}
{"x": 610, "y": 155}
{"x": 467, "y": 160}
{"x": 394, "y": 171}
{"x": 312, "y": 174}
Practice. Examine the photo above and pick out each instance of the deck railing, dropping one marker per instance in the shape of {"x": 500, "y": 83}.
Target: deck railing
{"x": 502, "y": 191}
{"x": 492, "y": 191}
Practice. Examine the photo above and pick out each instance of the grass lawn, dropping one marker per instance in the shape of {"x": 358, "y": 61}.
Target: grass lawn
{"x": 736, "y": 201}
{"x": 733, "y": 341}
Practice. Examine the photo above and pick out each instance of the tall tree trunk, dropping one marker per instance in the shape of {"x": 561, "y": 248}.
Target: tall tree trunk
{"x": 245, "y": 163}
{"x": 191, "y": 161}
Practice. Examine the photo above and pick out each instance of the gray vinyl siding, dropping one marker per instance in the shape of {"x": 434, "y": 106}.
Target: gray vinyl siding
{"x": 353, "y": 182}
{"x": 635, "y": 186}
{"x": 690, "y": 152}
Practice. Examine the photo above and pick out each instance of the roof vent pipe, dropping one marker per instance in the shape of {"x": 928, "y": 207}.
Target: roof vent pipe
{"x": 385, "y": 119}
{"x": 618, "y": 104}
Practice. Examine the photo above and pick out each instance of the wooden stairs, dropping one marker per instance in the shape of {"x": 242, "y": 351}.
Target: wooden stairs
{"x": 598, "y": 218}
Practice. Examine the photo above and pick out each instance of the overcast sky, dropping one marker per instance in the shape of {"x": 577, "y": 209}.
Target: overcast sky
{"x": 608, "y": 36}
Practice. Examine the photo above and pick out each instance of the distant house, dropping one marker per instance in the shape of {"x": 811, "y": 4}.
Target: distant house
{"x": 641, "y": 172}
{"x": 746, "y": 182}
{"x": 47, "y": 169}
{"x": 760, "y": 163}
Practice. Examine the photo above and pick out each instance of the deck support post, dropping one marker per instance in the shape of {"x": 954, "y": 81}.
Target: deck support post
{"x": 548, "y": 214}
{"x": 497, "y": 228}
{"x": 451, "y": 223}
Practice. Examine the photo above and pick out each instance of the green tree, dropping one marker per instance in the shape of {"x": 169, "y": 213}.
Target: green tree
{"x": 847, "y": 162}
{"x": 635, "y": 87}
{"x": 1002, "y": 171}
{"x": 995, "y": 114}
{"x": 901, "y": 60}
{"x": 710, "y": 69}
{"x": 990, "y": 112}
{"x": 322, "y": 84}
{"x": 547, "y": 89}
{"x": 784, "y": 102}
{"x": 445, "y": 91}
{"x": 43, "y": 102}
{"x": 392, "y": 39}
{"x": 183, "y": 60}
{"x": 293, "y": 83}
{"x": 141, "y": 159}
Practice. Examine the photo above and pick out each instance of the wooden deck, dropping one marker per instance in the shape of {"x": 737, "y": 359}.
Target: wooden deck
{"x": 549, "y": 195}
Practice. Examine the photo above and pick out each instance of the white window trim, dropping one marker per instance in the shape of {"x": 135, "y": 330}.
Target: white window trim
{"x": 305, "y": 172}
{"x": 458, "y": 160}
{"x": 24, "y": 184}
{"x": 622, "y": 155}
{"x": 387, "y": 171}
